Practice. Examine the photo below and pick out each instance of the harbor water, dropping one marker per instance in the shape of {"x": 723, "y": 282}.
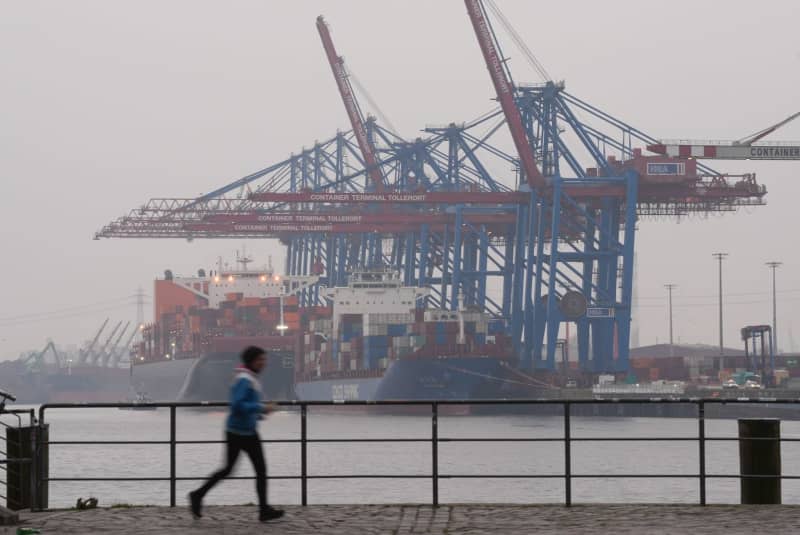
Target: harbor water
{"x": 331, "y": 458}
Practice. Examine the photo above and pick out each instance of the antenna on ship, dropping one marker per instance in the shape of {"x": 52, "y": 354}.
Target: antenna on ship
{"x": 243, "y": 259}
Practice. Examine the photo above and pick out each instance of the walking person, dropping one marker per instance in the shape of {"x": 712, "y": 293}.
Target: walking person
{"x": 241, "y": 434}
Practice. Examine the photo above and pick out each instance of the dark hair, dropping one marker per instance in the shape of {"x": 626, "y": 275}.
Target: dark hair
{"x": 250, "y": 354}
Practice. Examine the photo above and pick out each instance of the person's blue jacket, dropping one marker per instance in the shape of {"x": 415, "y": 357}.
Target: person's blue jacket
{"x": 246, "y": 408}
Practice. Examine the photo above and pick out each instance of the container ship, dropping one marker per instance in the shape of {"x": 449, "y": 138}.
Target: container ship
{"x": 374, "y": 340}
{"x": 203, "y": 322}
{"x": 380, "y": 342}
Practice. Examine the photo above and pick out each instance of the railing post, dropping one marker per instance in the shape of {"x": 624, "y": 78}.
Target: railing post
{"x": 701, "y": 439}
{"x": 435, "y": 451}
{"x": 759, "y": 458}
{"x": 567, "y": 456}
{"x": 304, "y": 454}
{"x": 172, "y": 455}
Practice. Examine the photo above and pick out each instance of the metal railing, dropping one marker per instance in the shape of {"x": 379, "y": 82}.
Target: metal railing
{"x": 7, "y": 484}
{"x": 434, "y": 440}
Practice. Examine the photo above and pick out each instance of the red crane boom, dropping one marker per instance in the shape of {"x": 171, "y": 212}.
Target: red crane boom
{"x": 353, "y": 112}
{"x": 505, "y": 92}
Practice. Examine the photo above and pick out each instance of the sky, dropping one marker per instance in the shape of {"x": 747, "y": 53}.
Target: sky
{"x": 106, "y": 104}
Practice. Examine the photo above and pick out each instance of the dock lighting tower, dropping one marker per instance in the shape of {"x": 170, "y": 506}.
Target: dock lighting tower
{"x": 773, "y": 266}
{"x": 720, "y": 257}
{"x": 669, "y": 288}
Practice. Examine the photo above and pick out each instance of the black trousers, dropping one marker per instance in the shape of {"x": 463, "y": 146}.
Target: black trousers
{"x": 251, "y": 445}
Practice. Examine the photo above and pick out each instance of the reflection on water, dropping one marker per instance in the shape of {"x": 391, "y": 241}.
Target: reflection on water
{"x": 597, "y": 458}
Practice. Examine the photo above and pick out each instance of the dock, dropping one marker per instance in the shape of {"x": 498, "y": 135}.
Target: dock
{"x": 400, "y": 519}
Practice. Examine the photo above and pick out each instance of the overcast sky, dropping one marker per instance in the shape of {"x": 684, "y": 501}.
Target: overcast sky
{"x": 106, "y": 104}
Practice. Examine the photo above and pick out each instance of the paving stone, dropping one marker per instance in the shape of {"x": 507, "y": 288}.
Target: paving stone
{"x": 447, "y": 519}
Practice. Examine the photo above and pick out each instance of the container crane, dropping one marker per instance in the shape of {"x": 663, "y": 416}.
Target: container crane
{"x": 122, "y": 349}
{"x": 742, "y": 149}
{"x": 96, "y": 358}
{"x": 107, "y": 357}
{"x": 504, "y": 87}
{"x": 83, "y": 354}
{"x": 351, "y": 105}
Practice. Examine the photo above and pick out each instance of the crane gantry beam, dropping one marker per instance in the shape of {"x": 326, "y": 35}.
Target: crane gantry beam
{"x": 742, "y": 149}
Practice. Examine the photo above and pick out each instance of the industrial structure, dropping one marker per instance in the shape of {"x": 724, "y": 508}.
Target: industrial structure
{"x": 536, "y": 236}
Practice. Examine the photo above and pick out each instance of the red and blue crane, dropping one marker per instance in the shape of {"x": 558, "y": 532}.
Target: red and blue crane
{"x": 548, "y": 243}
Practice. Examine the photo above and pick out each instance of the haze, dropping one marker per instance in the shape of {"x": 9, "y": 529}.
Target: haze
{"x": 106, "y": 104}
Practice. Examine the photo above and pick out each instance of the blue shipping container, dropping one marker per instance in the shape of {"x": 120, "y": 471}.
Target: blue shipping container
{"x": 396, "y": 330}
{"x": 376, "y": 341}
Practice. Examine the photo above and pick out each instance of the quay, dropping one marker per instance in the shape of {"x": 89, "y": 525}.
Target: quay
{"x": 412, "y": 519}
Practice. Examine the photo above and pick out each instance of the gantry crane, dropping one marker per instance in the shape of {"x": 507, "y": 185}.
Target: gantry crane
{"x": 445, "y": 211}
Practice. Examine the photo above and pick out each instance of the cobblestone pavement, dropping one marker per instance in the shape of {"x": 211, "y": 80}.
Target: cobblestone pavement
{"x": 396, "y": 519}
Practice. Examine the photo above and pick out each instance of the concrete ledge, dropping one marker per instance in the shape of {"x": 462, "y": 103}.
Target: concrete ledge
{"x": 8, "y": 517}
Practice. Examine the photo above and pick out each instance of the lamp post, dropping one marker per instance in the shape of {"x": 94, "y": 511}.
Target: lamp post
{"x": 773, "y": 266}
{"x": 282, "y": 326}
{"x": 720, "y": 257}
{"x": 669, "y": 288}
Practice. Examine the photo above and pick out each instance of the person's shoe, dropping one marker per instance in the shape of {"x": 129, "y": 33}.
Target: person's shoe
{"x": 270, "y": 513}
{"x": 195, "y": 504}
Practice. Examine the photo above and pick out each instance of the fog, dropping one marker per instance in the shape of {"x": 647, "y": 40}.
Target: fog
{"x": 106, "y": 104}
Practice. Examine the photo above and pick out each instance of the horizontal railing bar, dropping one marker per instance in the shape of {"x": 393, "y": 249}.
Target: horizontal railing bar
{"x": 509, "y": 439}
{"x": 633, "y": 439}
{"x": 453, "y": 439}
{"x": 152, "y": 442}
{"x": 103, "y": 442}
{"x": 264, "y": 441}
{"x": 588, "y": 401}
{"x": 426, "y": 476}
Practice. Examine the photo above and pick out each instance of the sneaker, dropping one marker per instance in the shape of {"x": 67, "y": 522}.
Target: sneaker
{"x": 270, "y": 513}
{"x": 195, "y": 504}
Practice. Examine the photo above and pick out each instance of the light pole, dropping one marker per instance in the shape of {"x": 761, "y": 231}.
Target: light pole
{"x": 669, "y": 288}
{"x": 282, "y": 326}
{"x": 720, "y": 257}
{"x": 773, "y": 266}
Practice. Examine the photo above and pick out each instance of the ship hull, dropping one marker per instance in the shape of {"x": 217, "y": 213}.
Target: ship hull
{"x": 454, "y": 378}
{"x": 161, "y": 381}
{"x": 210, "y": 377}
